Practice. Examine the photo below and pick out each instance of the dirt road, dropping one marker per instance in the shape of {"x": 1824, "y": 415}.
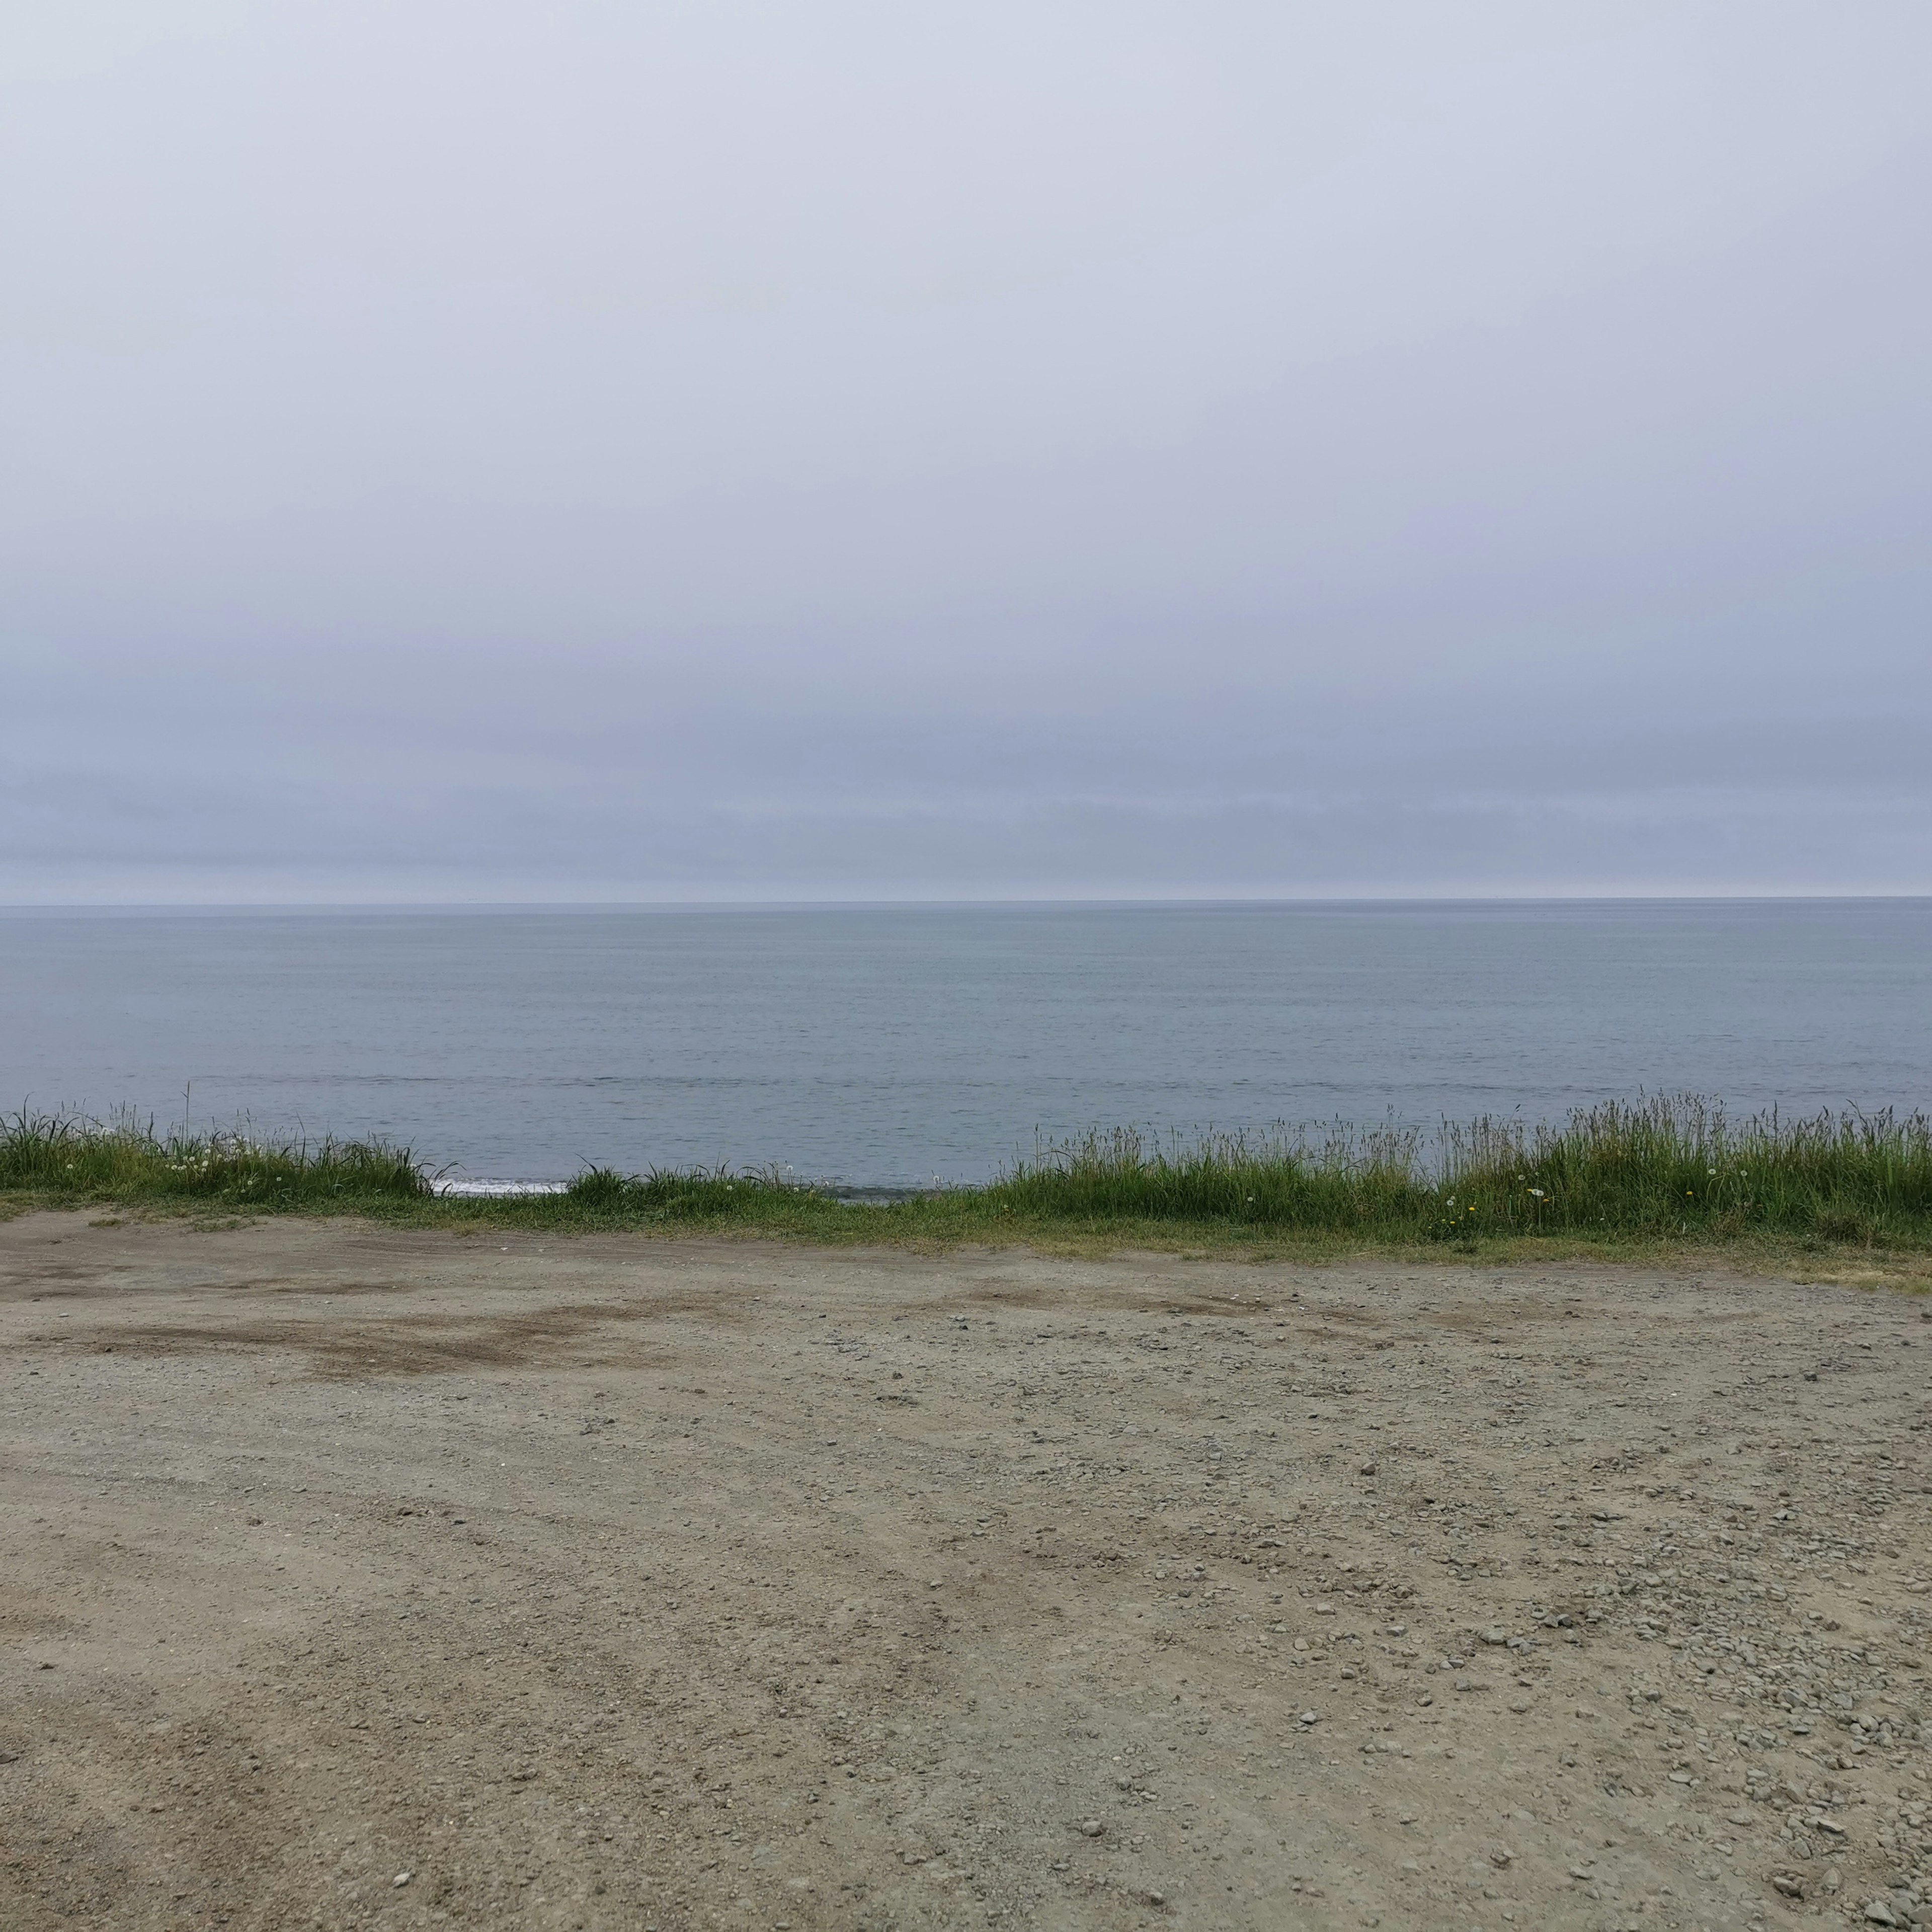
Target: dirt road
{"x": 356, "y": 1578}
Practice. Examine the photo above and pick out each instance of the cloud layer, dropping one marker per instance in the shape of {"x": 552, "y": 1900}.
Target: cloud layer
{"x": 486, "y": 451}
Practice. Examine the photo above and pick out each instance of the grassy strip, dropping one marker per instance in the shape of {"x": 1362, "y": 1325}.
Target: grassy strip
{"x": 67, "y": 1158}
{"x": 1665, "y": 1168}
{"x": 1669, "y": 1171}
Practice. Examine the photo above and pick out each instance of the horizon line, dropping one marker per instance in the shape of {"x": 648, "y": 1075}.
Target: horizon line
{"x": 936, "y": 901}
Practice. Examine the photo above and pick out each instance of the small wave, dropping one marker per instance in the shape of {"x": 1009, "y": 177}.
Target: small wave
{"x": 495, "y": 1189}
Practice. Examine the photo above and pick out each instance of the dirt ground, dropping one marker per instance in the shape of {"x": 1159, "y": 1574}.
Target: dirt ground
{"x": 350, "y": 1577}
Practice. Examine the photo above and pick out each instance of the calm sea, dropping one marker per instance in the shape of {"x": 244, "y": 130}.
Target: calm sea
{"x": 889, "y": 1046}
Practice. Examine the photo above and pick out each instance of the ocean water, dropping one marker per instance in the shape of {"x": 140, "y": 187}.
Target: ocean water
{"x": 890, "y": 1046}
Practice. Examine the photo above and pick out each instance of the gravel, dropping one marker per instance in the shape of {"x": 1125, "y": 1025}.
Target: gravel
{"x": 403, "y": 1578}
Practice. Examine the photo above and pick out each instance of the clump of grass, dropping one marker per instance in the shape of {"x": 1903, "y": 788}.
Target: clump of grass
{"x": 1669, "y": 1167}
{"x": 1348, "y": 1180}
{"x": 1677, "y": 1165}
{"x": 70, "y": 1158}
{"x": 691, "y": 1195}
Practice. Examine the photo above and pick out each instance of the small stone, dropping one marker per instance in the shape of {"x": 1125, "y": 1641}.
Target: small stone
{"x": 1495, "y": 1633}
{"x": 1370, "y": 1468}
{"x": 1155, "y": 1898}
{"x": 1880, "y": 1913}
{"x": 1501, "y": 1856}
{"x": 1091, "y": 1828}
{"x": 1739, "y": 1818}
{"x": 1784, "y": 1882}
{"x": 402, "y": 1879}
{"x": 1310, "y": 1717}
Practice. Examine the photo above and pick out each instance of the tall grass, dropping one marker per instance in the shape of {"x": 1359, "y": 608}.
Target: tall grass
{"x": 1348, "y": 1179}
{"x": 1678, "y": 1165}
{"x": 1671, "y": 1167}
{"x": 69, "y": 1157}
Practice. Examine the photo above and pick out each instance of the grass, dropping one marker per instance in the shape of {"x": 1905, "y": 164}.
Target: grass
{"x": 69, "y": 1159}
{"x": 1671, "y": 1171}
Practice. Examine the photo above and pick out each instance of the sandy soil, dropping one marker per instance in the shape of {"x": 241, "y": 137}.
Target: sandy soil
{"x": 349, "y": 1577}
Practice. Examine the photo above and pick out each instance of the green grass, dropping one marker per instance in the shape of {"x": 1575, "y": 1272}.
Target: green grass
{"x": 67, "y": 1158}
{"x": 1669, "y": 1170}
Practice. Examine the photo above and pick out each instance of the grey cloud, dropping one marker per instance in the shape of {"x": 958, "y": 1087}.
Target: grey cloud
{"x": 484, "y": 451}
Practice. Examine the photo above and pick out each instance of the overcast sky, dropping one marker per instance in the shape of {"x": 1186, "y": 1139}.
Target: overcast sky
{"x": 475, "y": 451}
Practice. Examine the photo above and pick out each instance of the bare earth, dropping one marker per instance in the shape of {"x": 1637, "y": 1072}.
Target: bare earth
{"x": 350, "y": 1577}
